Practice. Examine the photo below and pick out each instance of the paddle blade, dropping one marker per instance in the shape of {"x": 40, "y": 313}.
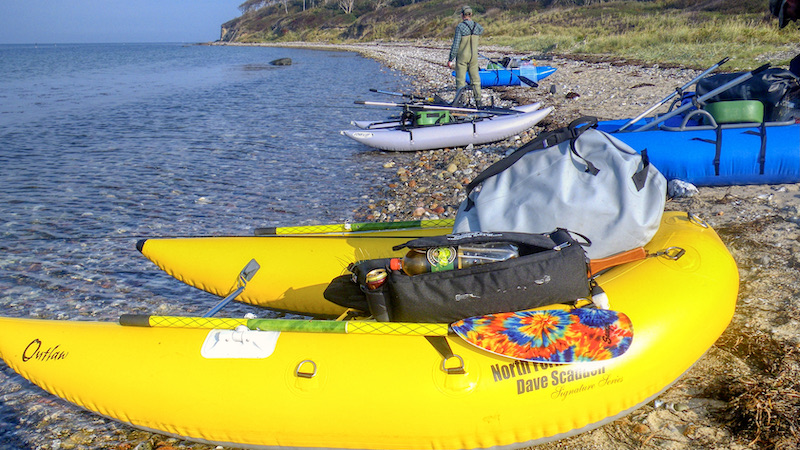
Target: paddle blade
{"x": 550, "y": 336}
{"x": 528, "y": 81}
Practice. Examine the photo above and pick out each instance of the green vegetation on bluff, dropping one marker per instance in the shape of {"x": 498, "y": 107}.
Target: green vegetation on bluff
{"x": 695, "y": 33}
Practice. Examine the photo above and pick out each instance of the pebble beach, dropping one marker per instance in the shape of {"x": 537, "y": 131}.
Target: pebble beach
{"x": 744, "y": 393}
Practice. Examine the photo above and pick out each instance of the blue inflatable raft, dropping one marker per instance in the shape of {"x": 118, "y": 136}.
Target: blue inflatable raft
{"x": 740, "y": 128}
{"x": 510, "y": 77}
{"x": 726, "y": 154}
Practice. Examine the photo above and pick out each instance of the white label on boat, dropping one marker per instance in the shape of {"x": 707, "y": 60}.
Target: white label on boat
{"x": 241, "y": 343}
{"x": 362, "y": 135}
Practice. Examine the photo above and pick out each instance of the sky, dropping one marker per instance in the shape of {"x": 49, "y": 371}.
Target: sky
{"x": 107, "y": 21}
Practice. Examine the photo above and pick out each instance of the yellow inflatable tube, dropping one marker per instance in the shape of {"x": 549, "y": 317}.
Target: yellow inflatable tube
{"x": 295, "y": 269}
{"x": 261, "y": 389}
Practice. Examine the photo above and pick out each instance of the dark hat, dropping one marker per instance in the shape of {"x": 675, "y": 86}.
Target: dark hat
{"x": 466, "y": 10}
{"x": 778, "y": 8}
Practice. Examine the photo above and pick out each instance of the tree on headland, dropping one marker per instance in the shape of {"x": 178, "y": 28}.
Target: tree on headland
{"x": 347, "y": 5}
{"x": 252, "y": 5}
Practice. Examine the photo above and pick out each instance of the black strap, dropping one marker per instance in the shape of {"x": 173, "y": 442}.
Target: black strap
{"x": 762, "y": 154}
{"x": 543, "y": 141}
{"x": 718, "y": 153}
{"x": 718, "y": 144}
{"x": 407, "y": 116}
{"x": 590, "y": 168}
{"x": 640, "y": 177}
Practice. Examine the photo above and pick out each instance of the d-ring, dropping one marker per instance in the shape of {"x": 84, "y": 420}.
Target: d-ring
{"x": 673, "y": 253}
{"x": 458, "y": 370}
{"x": 306, "y": 374}
{"x": 695, "y": 219}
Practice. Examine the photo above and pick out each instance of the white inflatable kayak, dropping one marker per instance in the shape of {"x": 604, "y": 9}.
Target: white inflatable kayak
{"x": 392, "y": 136}
{"x": 372, "y": 125}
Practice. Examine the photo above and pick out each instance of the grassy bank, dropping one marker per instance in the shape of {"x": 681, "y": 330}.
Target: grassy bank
{"x": 652, "y": 33}
{"x": 693, "y": 33}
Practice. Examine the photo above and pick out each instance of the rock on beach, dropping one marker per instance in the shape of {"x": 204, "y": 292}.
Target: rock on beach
{"x": 724, "y": 401}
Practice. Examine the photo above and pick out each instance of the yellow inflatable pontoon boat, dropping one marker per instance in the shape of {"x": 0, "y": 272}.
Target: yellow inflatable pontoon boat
{"x": 271, "y": 389}
{"x": 296, "y": 263}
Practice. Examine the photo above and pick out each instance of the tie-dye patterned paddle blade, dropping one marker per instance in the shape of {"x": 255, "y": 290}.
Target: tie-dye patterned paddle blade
{"x": 550, "y": 336}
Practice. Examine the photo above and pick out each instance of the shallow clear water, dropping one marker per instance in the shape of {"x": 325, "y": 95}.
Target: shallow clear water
{"x": 103, "y": 145}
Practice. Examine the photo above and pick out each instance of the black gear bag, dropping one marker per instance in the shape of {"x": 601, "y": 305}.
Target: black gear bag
{"x": 769, "y": 86}
{"x": 551, "y": 268}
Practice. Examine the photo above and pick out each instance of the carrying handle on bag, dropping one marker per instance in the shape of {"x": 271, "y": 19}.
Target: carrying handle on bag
{"x": 543, "y": 141}
{"x": 577, "y": 127}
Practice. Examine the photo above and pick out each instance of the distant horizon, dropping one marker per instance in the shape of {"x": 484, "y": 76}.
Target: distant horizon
{"x": 53, "y": 44}
{"x": 45, "y": 22}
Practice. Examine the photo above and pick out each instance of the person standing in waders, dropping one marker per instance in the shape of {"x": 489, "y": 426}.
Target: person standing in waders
{"x": 464, "y": 52}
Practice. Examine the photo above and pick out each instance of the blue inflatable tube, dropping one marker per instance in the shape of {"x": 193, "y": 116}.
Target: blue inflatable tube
{"x": 729, "y": 155}
{"x": 510, "y": 77}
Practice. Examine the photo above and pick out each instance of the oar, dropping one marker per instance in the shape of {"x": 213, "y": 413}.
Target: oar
{"x": 676, "y": 92}
{"x": 400, "y": 94}
{"x": 438, "y": 107}
{"x": 355, "y": 227}
{"x": 382, "y": 122}
{"x": 289, "y": 325}
{"x": 492, "y": 60}
{"x": 552, "y": 336}
{"x": 245, "y": 275}
{"x": 736, "y": 81}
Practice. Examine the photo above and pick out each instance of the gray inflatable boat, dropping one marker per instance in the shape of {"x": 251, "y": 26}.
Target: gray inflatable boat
{"x": 482, "y": 130}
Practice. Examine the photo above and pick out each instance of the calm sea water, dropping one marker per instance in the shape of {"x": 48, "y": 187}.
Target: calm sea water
{"x": 102, "y": 145}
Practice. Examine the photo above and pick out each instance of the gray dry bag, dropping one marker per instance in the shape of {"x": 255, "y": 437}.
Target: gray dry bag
{"x": 577, "y": 178}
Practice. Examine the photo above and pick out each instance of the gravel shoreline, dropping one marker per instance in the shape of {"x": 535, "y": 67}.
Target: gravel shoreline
{"x": 430, "y": 184}
{"x": 744, "y": 392}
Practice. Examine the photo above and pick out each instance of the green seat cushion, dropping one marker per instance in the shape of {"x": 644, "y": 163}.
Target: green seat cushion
{"x": 736, "y": 111}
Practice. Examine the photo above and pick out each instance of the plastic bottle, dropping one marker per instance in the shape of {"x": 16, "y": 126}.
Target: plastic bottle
{"x": 438, "y": 259}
